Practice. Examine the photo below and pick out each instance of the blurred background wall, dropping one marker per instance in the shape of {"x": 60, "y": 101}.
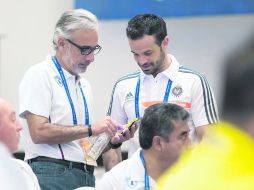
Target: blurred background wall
{"x": 26, "y": 30}
{"x": 202, "y": 34}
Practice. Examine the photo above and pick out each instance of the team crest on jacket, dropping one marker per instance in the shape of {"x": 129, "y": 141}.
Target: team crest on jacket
{"x": 58, "y": 80}
{"x": 177, "y": 91}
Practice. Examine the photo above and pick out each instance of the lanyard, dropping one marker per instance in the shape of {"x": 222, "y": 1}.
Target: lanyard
{"x": 74, "y": 117}
{"x": 147, "y": 186}
{"x": 165, "y": 99}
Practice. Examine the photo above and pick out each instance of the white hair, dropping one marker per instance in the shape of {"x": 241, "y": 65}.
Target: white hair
{"x": 72, "y": 20}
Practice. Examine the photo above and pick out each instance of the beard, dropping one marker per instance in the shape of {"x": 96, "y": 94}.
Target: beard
{"x": 81, "y": 67}
{"x": 74, "y": 67}
{"x": 153, "y": 68}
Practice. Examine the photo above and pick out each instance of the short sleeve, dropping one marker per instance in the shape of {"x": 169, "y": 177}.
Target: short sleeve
{"x": 35, "y": 92}
{"x": 204, "y": 107}
{"x": 116, "y": 110}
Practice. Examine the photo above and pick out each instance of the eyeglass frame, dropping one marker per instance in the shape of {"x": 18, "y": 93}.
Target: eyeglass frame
{"x": 83, "y": 49}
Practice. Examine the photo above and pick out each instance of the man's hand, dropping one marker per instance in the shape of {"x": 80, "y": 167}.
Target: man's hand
{"x": 125, "y": 134}
{"x": 107, "y": 125}
{"x": 114, "y": 156}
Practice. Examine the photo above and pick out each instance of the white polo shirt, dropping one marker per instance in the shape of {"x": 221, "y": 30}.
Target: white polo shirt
{"x": 14, "y": 173}
{"x": 189, "y": 89}
{"x": 127, "y": 175}
{"x": 41, "y": 92}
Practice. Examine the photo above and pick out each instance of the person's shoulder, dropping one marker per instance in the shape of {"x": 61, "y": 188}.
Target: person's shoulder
{"x": 24, "y": 167}
{"x": 127, "y": 79}
{"x": 122, "y": 166}
{"x": 26, "y": 172}
{"x": 115, "y": 176}
{"x": 9, "y": 171}
{"x": 191, "y": 72}
{"x": 118, "y": 171}
{"x": 187, "y": 70}
{"x": 22, "y": 164}
{"x": 128, "y": 164}
{"x": 129, "y": 76}
{"x": 40, "y": 67}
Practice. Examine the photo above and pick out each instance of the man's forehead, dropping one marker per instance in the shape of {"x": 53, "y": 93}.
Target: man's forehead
{"x": 180, "y": 126}
{"x": 85, "y": 34}
{"x": 145, "y": 40}
{"x": 6, "y": 108}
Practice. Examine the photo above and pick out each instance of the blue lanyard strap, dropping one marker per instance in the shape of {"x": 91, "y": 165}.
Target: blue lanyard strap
{"x": 167, "y": 92}
{"x": 165, "y": 99}
{"x": 85, "y": 106}
{"x": 137, "y": 98}
{"x": 74, "y": 117}
{"x": 146, "y": 177}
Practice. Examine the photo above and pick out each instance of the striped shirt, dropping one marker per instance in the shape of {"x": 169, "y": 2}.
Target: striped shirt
{"x": 190, "y": 89}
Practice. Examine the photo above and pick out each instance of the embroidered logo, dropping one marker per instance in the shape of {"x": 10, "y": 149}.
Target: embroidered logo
{"x": 131, "y": 183}
{"x": 177, "y": 91}
{"x": 58, "y": 80}
{"x": 129, "y": 96}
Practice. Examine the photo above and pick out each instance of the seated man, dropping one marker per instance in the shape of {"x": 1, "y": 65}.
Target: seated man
{"x": 9, "y": 136}
{"x": 163, "y": 134}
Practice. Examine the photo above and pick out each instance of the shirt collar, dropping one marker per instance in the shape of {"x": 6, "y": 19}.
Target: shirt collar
{"x": 170, "y": 72}
{"x": 67, "y": 75}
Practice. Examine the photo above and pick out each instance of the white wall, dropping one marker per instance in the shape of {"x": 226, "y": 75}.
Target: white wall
{"x": 26, "y": 29}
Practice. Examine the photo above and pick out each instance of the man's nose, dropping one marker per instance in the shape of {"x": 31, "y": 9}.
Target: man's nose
{"x": 18, "y": 125}
{"x": 142, "y": 60}
{"x": 188, "y": 143}
{"x": 89, "y": 57}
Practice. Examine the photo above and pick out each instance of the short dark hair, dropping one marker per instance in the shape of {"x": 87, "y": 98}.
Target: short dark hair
{"x": 157, "y": 121}
{"x": 238, "y": 97}
{"x": 147, "y": 24}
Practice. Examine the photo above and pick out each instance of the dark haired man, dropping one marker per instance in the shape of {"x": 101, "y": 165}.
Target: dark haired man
{"x": 160, "y": 79}
{"x": 163, "y": 134}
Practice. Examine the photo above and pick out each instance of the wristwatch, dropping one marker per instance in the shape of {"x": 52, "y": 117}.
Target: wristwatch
{"x": 114, "y": 146}
{"x": 90, "y": 132}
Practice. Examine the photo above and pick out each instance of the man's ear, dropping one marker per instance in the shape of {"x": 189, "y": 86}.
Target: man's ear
{"x": 61, "y": 42}
{"x": 157, "y": 143}
{"x": 165, "y": 42}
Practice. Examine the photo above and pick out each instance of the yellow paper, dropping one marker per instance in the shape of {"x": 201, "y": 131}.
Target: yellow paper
{"x": 86, "y": 144}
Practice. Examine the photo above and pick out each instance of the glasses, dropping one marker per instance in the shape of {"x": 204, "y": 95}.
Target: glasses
{"x": 86, "y": 50}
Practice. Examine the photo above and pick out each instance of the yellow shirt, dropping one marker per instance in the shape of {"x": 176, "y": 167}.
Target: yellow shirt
{"x": 223, "y": 161}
